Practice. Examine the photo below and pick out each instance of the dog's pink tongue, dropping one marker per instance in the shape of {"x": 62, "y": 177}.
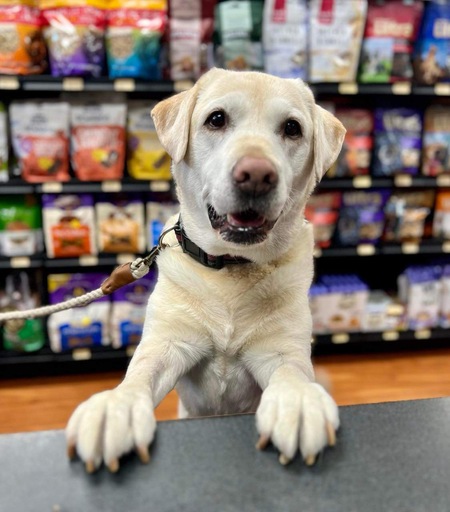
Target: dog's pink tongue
{"x": 248, "y": 219}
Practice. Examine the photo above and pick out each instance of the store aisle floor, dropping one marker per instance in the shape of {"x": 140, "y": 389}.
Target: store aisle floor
{"x": 46, "y": 403}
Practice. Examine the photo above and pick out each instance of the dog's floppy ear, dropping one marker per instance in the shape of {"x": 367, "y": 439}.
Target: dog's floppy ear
{"x": 172, "y": 118}
{"x": 328, "y": 136}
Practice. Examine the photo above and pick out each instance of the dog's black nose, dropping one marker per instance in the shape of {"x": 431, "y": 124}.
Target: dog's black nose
{"x": 255, "y": 176}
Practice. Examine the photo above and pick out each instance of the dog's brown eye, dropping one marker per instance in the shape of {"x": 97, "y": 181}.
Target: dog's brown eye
{"x": 217, "y": 119}
{"x": 292, "y": 129}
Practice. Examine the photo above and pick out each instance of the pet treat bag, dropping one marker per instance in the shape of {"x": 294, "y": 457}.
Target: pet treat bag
{"x": 322, "y": 211}
{"x": 431, "y": 55}
{"x": 285, "y": 38}
{"x": 391, "y": 30}
{"x": 441, "y": 220}
{"x": 436, "y": 141}
{"x": 147, "y": 159}
{"x": 68, "y": 225}
{"x": 120, "y": 221}
{"x": 129, "y": 306}
{"x": 158, "y": 213}
{"x": 20, "y": 226}
{"x": 335, "y": 34}
{"x": 22, "y": 47}
{"x": 3, "y": 144}
{"x": 398, "y": 141}
{"x": 98, "y": 141}
{"x": 78, "y": 327}
{"x": 239, "y": 30}
{"x": 444, "y": 317}
{"x": 133, "y": 38}
{"x": 40, "y": 139}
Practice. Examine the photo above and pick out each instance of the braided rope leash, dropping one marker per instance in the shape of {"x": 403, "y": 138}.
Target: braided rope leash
{"x": 120, "y": 276}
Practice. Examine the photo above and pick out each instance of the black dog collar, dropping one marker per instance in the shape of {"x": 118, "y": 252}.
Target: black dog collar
{"x": 201, "y": 256}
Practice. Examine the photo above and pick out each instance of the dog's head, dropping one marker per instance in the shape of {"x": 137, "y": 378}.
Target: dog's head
{"x": 247, "y": 150}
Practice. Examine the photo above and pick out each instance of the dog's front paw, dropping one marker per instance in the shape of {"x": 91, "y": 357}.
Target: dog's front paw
{"x": 110, "y": 424}
{"x": 297, "y": 415}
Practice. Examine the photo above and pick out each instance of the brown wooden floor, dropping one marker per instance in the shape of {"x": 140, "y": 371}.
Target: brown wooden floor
{"x": 46, "y": 403}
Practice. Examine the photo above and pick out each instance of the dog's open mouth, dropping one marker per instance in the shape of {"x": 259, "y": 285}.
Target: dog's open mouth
{"x": 246, "y": 227}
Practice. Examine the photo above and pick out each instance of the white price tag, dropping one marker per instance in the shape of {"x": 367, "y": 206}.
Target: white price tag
{"x": 401, "y": 88}
{"x": 52, "y": 187}
{"x": 442, "y": 89}
{"x": 340, "y": 339}
{"x": 446, "y": 246}
{"x": 443, "y": 180}
{"x": 403, "y": 180}
{"x": 81, "y": 354}
{"x": 124, "y": 85}
{"x": 362, "y": 182}
{"x": 410, "y": 248}
{"x": 348, "y": 88}
{"x": 111, "y": 186}
{"x": 130, "y": 351}
{"x": 73, "y": 84}
{"x": 160, "y": 186}
{"x": 317, "y": 252}
{"x": 365, "y": 250}
{"x": 89, "y": 260}
{"x": 182, "y": 85}
{"x": 10, "y": 83}
{"x": 20, "y": 262}
{"x": 125, "y": 258}
{"x": 422, "y": 334}
{"x": 390, "y": 335}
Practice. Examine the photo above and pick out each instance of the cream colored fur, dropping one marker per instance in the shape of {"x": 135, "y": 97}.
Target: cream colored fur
{"x": 237, "y": 339}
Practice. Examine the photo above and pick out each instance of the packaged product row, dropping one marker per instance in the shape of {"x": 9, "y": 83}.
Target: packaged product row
{"x": 344, "y": 40}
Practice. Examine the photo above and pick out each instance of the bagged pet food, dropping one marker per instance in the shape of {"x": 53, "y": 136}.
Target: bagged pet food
{"x": 40, "y": 140}
{"x": 147, "y": 159}
{"x": 22, "y": 46}
{"x": 133, "y": 38}
{"x": 3, "y": 145}
{"x": 158, "y": 213}
{"x": 356, "y": 152}
{"x": 120, "y": 221}
{"x": 20, "y": 226}
{"x": 98, "y": 141}
{"x": 75, "y": 37}
{"x": 285, "y": 38}
{"x": 239, "y": 27}
{"x": 78, "y": 327}
{"x": 382, "y": 313}
{"x": 361, "y": 218}
{"x": 398, "y": 141}
{"x": 431, "y": 61}
{"x": 69, "y": 227}
{"x": 441, "y": 220}
{"x": 128, "y": 309}
{"x": 436, "y": 141}
{"x": 444, "y": 317}
{"x": 322, "y": 211}
{"x": 336, "y": 30}
{"x": 407, "y": 216}
{"x": 391, "y": 29}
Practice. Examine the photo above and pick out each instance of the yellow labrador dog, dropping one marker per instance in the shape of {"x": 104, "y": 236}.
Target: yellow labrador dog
{"x": 228, "y": 324}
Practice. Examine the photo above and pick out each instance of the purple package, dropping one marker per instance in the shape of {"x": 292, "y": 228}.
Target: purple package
{"x": 398, "y": 141}
{"x": 67, "y": 286}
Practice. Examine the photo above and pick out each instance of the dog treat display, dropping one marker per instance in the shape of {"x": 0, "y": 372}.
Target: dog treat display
{"x": 128, "y": 308}
{"x": 75, "y": 37}
{"x": 79, "y": 327}
{"x": 322, "y": 210}
{"x": 391, "y": 29}
{"x": 285, "y": 38}
{"x": 3, "y": 144}
{"x": 69, "y": 227}
{"x": 158, "y": 213}
{"x": 40, "y": 139}
{"x": 98, "y": 141}
{"x": 433, "y": 45}
{"x": 335, "y": 35}
{"x": 133, "y": 38}
{"x": 147, "y": 159}
{"x": 436, "y": 140}
{"x": 120, "y": 224}
{"x": 397, "y": 141}
{"x": 441, "y": 220}
{"x": 22, "y": 47}
{"x": 20, "y": 226}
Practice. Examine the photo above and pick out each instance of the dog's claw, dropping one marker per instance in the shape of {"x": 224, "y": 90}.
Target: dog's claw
{"x": 143, "y": 454}
{"x": 113, "y": 465}
{"x": 71, "y": 451}
{"x": 284, "y": 460}
{"x": 310, "y": 459}
{"x": 90, "y": 466}
{"x": 331, "y": 434}
{"x": 262, "y": 442}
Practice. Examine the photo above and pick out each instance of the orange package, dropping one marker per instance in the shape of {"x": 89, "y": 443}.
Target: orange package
{"x": 22, "y": 46}
{"x": 98, "y": 141}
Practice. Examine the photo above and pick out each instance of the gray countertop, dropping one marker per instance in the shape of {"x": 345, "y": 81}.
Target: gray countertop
{"x": 391, "y": 457}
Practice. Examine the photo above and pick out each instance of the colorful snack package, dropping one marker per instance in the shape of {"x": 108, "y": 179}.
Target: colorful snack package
{"x": 336, "y": 30}
{"x": 20, "y": 226}
{"x": 433, "y": 44}
{"x": 436, "y": 141}
{"x": 285, "y": 38}
{"x": 69, "y": 227}
{"x": 147, "y": 159}
{"x": 133, "y": 38}
{"x": 74, "y": 33}
{"x": 239, "y": 30}
{"x": 356, "y": 153}
{"x": 361, "y": 218}
{"x": 441, "y": 220}
{"x": 322, "y": 211}
{"x": 407, "y": 216}
{"x": 3, "y": 144}
{"x": 128, "y": 309}
{"x": 120, "y": 222}
{"x": 158, "y": 213}
{"x": 444, "y": 317}
{"x": 22, "y": 46}
{"x": 387, "y": 47}
{"x": 98, "y": 141}
{"x": 86, "y": 326}
{"x": 40, "y": 139}
{"x": 398, "y": 141}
